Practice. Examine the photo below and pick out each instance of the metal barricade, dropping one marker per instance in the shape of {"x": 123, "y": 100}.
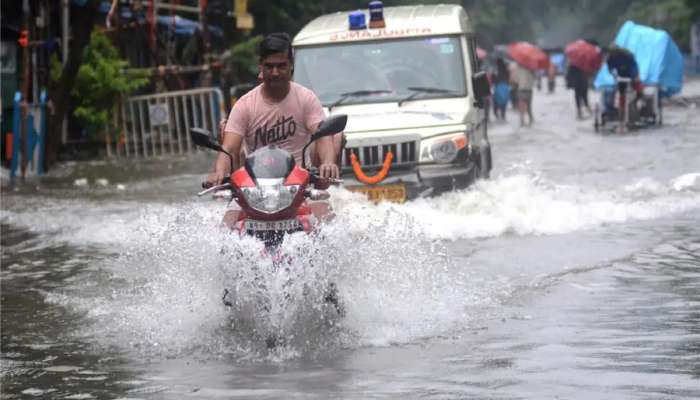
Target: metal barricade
{"x": 159, "y": 124}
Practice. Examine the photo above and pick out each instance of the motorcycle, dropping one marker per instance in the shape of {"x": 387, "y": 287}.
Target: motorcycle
{"x": 273, "y": 194}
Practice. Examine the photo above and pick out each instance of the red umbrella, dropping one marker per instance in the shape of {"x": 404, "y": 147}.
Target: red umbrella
{"x": 481, "y": 53}
{"x": 528, "y": 55}
{"x": 584, "y": 55}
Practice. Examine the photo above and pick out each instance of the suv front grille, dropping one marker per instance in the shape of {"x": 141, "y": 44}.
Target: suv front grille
{"x": 405, "y": 153}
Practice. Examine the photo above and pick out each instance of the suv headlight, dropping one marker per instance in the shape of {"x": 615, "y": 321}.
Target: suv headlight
{"x": 270, "y": 198}
{"x": 442, "y": 149}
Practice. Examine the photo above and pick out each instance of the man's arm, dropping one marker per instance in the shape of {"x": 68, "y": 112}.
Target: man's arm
{"x": 222, "y": 167}
{"x": 324, "y": 147}
{"x": 327, "y": 155}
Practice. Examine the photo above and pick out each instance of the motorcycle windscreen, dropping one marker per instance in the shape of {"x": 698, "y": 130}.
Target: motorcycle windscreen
{"x": 269, "y": 162}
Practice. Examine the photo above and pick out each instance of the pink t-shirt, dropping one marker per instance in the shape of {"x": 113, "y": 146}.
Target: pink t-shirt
{"x": 287, "y": 124}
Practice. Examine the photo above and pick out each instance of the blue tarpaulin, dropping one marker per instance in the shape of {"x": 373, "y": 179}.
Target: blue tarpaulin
{"x": 659, "y": 60}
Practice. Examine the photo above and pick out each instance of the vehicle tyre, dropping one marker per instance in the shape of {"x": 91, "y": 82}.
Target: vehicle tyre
{"x": 482, "y": 163}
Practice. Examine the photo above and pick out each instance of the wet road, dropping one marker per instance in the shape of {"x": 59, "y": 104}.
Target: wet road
{"x": 573, "y": 273}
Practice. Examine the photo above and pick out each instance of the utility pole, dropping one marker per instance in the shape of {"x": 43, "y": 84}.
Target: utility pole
{"x": 26, "y": 67}
{"x": 207, "y": 78}
{"x": 65, "y": 37}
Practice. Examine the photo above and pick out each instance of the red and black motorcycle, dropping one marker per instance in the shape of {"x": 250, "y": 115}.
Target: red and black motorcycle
{"x": 272, "y": 192}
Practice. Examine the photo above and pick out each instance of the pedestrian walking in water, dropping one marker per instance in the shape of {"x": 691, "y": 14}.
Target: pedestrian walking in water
{"x": 577, "y": 79}
{"x": 525, "y": 80}
{"x": 501, "y": 90}
{"x": 551, "y": 78}
{"x": 512, "y": 68}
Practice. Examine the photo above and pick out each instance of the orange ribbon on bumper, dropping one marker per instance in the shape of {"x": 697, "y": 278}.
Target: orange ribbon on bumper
{"x": 371, "y": 180}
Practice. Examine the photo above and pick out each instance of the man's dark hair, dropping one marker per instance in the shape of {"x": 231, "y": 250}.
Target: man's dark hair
{"x": 275, "y": 43}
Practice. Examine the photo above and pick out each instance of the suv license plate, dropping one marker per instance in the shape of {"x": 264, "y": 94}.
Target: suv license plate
{"x": 395, "y": 193}
{"x": 281, "y": 225}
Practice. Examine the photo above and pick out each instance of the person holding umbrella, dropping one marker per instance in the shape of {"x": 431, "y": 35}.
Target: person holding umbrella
{"x": 584, "y": 59}
{"x": 529, "y": 58}
{"x": 524, "y": 79}
{"x": 577, "y": 79}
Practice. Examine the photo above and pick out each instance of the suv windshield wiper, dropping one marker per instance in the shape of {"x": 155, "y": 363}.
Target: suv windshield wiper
{"x": 423, "y": 90}
{"x": 357, "y": 93}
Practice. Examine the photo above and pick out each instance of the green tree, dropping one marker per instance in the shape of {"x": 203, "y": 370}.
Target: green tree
{"x": 83, "y": 18}
{"x": 673, "y": 16}
{"x": 242, "y": 59}
{"x": 101, "y": 84}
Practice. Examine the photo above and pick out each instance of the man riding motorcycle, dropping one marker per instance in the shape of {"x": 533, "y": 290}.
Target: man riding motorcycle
{"x": 279, "y": 112}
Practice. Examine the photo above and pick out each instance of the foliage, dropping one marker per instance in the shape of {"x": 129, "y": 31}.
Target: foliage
{"x": 291, "y": 15}
{"x": 55, "y": 68}
{"x": 101, "y": 83}
{"x": 243, "y": 60}
{"x": 694, "y": 7}
{"x": 545, "y": 22}
{"x": 673, "y": 16}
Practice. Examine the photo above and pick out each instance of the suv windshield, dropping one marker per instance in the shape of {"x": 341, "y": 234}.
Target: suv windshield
{"x": 386, "y": 69}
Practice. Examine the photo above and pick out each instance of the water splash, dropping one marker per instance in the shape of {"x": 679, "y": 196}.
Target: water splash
{"x": 525, "y": 203}
{"x": 161, "y": 292}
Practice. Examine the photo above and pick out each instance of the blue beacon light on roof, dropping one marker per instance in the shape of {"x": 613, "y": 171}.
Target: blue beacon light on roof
{"x": 357, "y": 20}
{"x": 376, "y": 15}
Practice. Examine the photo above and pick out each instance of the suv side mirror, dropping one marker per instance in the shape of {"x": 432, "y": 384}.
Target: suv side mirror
{"x": 482, "y": 88}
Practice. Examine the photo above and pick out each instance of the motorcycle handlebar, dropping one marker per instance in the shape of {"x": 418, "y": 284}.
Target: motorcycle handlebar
{"x": 324, "y": 183}
{"x": 318, "y": 181}
{"x": 334, "y": 181}
{"x": 316, "y": 178}
{"x": 225, "y": 186}
{"x": 207, "y": 184}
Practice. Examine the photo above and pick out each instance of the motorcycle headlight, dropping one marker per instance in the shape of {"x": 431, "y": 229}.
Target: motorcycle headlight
{"x": 270, "y": 197}
{"x": 442, "y": 149}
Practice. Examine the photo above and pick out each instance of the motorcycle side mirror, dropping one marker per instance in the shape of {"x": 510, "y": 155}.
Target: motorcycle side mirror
{"x": 329, "y": 126}
{"x": 202, "y": 138}
{"x": 482, "y": 88}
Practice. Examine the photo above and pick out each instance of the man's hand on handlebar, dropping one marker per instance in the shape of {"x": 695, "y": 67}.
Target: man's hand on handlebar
{"x": 329, "y": 170}
{"x": 216, "y": 178}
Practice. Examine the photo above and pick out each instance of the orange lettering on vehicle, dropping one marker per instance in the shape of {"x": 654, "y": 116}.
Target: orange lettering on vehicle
{"x": 371, "y": 180}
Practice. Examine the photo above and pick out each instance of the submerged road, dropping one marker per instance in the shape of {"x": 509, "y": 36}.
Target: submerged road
{"x": 573, "y": 273}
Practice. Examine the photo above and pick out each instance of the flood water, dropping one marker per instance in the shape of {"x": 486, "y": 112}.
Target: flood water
{"x": 573, "y": 273}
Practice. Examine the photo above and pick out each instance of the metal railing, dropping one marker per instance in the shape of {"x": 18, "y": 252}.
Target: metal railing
{"x": 159, "y": 124}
